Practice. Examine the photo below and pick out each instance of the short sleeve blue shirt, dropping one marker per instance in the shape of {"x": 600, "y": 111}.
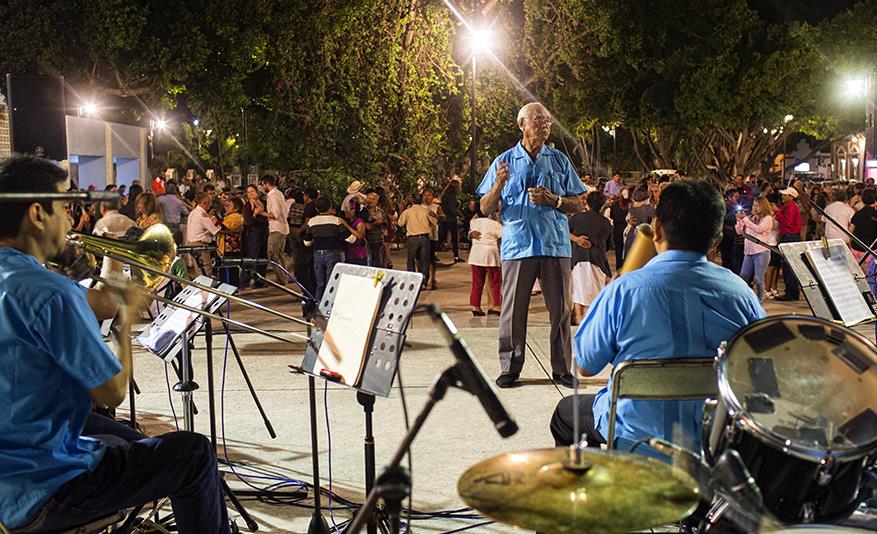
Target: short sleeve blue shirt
{"x": 527, "y": 229}
{"x": 51, "y": 356}
{"x": 678, "y": 305}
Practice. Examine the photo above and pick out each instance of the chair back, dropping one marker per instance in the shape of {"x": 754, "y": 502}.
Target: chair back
{"x": 665, "y": 379}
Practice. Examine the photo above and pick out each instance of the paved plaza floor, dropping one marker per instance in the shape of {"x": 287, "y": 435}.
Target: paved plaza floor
{"x": 457, "y": 434}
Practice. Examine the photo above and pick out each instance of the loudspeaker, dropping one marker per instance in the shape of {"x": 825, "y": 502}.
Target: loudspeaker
{"x": 36, "y": 115}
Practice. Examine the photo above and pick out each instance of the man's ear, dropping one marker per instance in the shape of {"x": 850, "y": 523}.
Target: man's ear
{"x": 37, "y": 216}
{"x": 660, "y": 235}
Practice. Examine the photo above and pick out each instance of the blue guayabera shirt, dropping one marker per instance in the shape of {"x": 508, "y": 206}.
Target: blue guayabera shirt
{"x": 51, "y": 355}
{"x": 677, "y": 305}
{"x": 527, "y": 229}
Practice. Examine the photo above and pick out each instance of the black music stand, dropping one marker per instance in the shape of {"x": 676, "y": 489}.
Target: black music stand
{"x": 398, "y": 300}
{"x": 174, "y": 330}
{"x": 815, "y": 292}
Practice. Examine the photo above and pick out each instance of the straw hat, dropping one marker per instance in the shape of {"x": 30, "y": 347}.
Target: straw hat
{"x": 354, "y": 187}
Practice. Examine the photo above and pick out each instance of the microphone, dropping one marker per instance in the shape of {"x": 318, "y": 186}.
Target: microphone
{"x": 472, "y": 376}
{"x": 194, "y": 249}
{"x": 242, "y": 262}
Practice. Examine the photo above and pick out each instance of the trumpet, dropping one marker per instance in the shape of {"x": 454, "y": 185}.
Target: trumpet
{"x": 641, "y": 251}
{"x": 151, "y": 258}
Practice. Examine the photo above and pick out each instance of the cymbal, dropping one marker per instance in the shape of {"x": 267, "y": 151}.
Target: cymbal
{"x": 615, "y": 492}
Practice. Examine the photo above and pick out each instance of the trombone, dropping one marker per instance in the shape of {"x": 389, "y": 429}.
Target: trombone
{"x": 152, "y": 256}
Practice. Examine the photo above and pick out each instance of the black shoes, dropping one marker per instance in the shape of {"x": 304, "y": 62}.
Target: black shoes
{"x": 506, "y": 380}
{"x": 565, "y": 380}
{"x": 478, "y": 313}
{"x": 493, "y": 312}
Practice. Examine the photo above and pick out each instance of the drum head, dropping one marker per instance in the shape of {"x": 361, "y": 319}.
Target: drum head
{"x": 806, "y": 384}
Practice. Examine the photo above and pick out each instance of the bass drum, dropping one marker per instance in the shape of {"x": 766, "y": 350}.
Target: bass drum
{"x": 797, "y": 401}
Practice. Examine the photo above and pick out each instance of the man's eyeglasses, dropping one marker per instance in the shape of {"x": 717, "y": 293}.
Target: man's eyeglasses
{"x": 541, "y": 120}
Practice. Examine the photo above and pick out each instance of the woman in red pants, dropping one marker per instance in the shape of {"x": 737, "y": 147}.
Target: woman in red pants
{"x": 485, "y": 234}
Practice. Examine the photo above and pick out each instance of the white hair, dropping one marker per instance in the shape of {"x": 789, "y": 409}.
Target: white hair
{"x": 524, "y": 112}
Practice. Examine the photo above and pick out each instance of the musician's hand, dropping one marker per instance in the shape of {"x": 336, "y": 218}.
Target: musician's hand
{"x": 474, "y": 234}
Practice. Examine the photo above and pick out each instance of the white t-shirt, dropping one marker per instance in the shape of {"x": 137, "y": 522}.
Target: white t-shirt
{"x": 842, "y": 213}
{"x": 276, "y": 206}
{"x": 485, "y": 249}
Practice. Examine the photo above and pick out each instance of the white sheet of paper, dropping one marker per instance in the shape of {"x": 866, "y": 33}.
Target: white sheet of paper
{"x": 349, "y": 329}
{"x": 835, "y": 275}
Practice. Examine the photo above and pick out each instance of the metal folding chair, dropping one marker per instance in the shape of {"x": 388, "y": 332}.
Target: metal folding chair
{"x": 665, "y": 379}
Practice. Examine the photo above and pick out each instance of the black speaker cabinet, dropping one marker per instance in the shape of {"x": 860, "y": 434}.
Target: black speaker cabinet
{"x": 36, "y": 115}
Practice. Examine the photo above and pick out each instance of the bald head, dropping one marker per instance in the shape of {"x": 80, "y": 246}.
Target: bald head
{"x": 529, "y": 110}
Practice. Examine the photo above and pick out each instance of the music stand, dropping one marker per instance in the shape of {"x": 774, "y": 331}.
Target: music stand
{"x": 816, "y": 294}
{"x": 169, "y": 335}
{"x": 398, "y": 300}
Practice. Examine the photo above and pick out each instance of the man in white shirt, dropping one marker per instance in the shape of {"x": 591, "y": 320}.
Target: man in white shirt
{"x": 841, "y": 212}
{"x": 278, "y": 226}
{"x": 200, "y": 229}
{"x": 112, "y": 223}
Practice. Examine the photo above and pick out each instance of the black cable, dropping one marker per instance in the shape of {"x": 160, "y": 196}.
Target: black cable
{"x": 637, "y": 443}
{"x": 544, "y": 370}
{"x": 170, "y": 399}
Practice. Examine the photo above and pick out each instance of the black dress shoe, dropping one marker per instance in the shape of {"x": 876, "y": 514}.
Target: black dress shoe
{"x": 493, "y": 312}
{"x": 565, "y": 380}
{"x": 506, "y": 380}
{"x": 478, "y": 313}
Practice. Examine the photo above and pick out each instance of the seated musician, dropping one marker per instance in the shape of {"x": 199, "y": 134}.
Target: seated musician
{"x": 60, "y": 465}
{"x": 678, "y": 305}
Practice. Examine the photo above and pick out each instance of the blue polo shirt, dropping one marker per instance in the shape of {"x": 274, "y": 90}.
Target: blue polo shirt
{"x": 677, "y": 305}
{"x": 527, "y": 229}
{"x": 51, "y": 356}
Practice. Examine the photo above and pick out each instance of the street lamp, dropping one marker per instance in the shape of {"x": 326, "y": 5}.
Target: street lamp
{"x": 480, "y": 41}
{"x": 855, "y": 88}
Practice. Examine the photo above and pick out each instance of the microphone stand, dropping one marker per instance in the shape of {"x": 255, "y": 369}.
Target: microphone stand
{"x": 393, "y": 485}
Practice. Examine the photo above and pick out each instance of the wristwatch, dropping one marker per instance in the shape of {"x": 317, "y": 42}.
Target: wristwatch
{"x": 559, "y": 202}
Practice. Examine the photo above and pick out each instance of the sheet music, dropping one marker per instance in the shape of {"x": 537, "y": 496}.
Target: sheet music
{"x": 347, "y": 335}
{"x": 836, "y": 278}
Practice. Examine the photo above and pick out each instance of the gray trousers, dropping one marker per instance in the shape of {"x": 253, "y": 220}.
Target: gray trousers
{"x": 518, "y": 277}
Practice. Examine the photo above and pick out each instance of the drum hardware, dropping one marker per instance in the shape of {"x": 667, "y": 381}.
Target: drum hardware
{"x": 825, "y": 472}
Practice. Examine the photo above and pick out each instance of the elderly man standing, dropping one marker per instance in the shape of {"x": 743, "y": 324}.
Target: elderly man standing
{"x": 536, "y": 187}
{"x": 278, "y": 226}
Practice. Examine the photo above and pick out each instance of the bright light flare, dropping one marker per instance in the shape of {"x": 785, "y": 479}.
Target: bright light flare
{"x": 788, "y": 118}
{"x": 90, "y": 109}
{"x": 161, "y": 124}
{"x": 855, "y": 88}
{"x": 481, "y": 40}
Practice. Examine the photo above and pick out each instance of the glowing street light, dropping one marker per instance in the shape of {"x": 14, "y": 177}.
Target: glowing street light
{"x": 161, "y": 124}
{"x": 90, "y": 109}
{"x": 480, "y": 40}
{"x": 196, "y": 122}
{"x": 855, "y": 88}
{"x": 788, "y": 118}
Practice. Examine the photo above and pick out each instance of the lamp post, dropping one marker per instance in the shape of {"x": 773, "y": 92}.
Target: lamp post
{"x": 479, "y": 41}
{"x": 864, "y": 88}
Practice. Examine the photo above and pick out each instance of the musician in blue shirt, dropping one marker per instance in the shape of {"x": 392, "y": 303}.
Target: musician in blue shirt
{"x": 678, "y": 305}
{"x": 55, "y": 363}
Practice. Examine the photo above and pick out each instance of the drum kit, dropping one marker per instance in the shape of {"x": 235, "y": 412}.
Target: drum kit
{"x": 788, "y": 445}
